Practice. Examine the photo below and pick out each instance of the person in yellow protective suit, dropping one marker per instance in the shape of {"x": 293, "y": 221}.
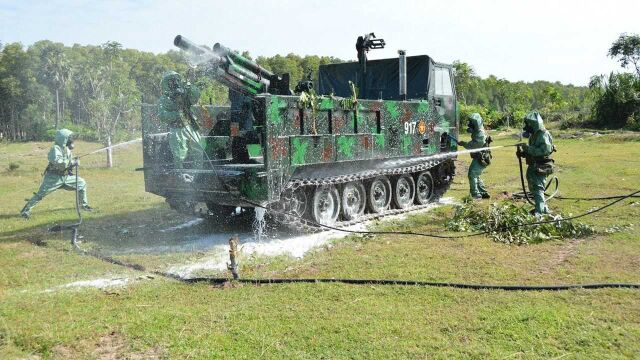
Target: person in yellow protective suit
{"x": 59, "y": 173}
{"x": 175, "y": 110}
{"x": 479, "y": 163}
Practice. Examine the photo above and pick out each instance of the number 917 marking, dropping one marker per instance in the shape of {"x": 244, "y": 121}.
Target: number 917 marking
{"x": 410, "y": 127}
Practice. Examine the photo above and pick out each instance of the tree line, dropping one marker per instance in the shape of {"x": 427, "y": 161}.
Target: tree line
{"x": 610, "y": 101}
{"x": 97, "y": 90}
{"x": 501, "y": 102}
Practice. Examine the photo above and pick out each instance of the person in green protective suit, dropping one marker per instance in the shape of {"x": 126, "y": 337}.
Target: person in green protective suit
{"x": 537, "y": 154}
{"x": 175, "y": 110}
{"x": 479, "y": 163}
{"x": 59, "y": 173}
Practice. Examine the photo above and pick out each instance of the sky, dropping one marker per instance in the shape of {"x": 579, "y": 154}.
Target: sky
{"x": 561, "y": 40}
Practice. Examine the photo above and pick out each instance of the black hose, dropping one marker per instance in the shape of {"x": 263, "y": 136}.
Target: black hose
{"x": 559, "y": 197}
{"x": 222, "y": 280}
{"x": 72, "y": 226}
{"x": 590, "y": 212}
{"x": 416, "y": 283}
{"x": 524, "y": 190}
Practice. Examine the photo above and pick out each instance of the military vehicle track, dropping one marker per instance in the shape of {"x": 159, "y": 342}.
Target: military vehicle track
{"x": 303, "y": 206}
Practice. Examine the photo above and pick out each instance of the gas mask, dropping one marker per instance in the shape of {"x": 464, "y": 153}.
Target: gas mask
{"x": 526, "y": 131}
{"x": 174, "y": 87}
{"x": 470, "y": 129}
{"x": 70, "y": 144}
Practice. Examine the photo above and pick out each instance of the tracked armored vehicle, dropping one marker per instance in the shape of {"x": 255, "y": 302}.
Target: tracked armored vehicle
{"x": 371, "y": 139}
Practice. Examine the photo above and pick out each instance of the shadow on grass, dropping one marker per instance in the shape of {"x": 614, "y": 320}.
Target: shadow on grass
{"x": 155, "y": 230}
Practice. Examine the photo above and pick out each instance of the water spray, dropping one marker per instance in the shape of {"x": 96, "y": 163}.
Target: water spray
{"x": 112, "y": 147}
{"x": 259, "y": 223}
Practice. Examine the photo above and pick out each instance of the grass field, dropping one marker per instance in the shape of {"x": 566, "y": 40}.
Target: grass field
{"x": 160, "y": 318}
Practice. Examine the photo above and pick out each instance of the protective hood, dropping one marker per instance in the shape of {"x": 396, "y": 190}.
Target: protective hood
{"x": 533, "y": 120}
{"x": 475, "y": 121}
{"x": 62, "y": 136}
{"x": 167, "y": 79}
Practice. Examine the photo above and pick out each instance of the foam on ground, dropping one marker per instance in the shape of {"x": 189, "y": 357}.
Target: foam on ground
{"x": 101, "y": 284}
{"x": 294, "y": 246}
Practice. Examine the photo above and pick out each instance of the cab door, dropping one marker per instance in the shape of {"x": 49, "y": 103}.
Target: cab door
{"x": 444, "y": 97}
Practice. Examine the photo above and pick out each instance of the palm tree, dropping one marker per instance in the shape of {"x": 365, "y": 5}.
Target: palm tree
{"x": 57, "y": 70}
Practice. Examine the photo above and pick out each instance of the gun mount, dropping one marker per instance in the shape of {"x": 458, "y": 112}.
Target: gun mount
{"x": 363, "y": 45}
{"x": 234, "y": 70}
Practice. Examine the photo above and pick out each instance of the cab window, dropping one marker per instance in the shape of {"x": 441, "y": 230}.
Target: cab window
{"x": 443, "y": 82}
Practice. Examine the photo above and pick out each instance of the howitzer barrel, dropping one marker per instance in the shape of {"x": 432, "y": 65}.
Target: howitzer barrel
{"x": 221, "y": 50}
{"x": 234, "y": 70}
{"x": 188, "y": 45}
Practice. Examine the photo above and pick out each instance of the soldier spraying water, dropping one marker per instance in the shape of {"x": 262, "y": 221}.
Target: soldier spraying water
{"x": 59, "y": 173}
{"x": 537, "y": 154}
{"x": 480, "y": 160}
{"x": 174, "y": 109}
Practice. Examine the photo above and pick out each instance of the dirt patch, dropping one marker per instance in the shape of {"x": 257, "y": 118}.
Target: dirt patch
{"x": 564, "y": 254}
{"x": 114, "y": 346}
{"x": 504, "y": 195}
{"x": 61, "y": 352}
{"x": 108, "y": 347}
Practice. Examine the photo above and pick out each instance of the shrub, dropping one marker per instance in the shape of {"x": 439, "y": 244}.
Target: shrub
{"x": 617, "y": 100}
{"x": 13, "y": 166}
{"x": 501, "y": 222}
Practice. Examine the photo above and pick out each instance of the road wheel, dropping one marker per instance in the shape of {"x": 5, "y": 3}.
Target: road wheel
{"x": 404, "y": 191}
{"x": 424, "y": 188}
{"x": 379, "y": 194}
{"x": 326, "y": 205}
{"x": 295, "y": 203}
{"x": 353, "y": 200}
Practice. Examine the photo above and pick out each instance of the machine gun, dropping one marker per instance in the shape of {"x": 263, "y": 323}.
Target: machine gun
{"x": 234, "y": 70}
{"x": 363, "y": 45}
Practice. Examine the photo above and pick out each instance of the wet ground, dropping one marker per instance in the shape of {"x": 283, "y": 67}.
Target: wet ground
{"x": 211, "y": 242}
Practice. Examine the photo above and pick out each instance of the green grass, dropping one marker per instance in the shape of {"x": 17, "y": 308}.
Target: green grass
{"x": 166, "y": 318}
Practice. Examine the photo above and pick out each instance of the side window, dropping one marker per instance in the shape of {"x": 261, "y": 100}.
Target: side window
{"x": 443, "y": 82}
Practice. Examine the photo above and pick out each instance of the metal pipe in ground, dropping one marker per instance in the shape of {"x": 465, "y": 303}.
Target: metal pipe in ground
{"x": 233, "y": 255}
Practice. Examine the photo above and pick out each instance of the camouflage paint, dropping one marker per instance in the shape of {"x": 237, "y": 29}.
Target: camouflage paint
{"x": 254, "y": 150}
{"x": 345, "y": 146}
{"x": 326, "y": 103}
{"x": 392, "y": 109}
{"x": 273, "y": 112}
{"x": 406, "y": 144}
{"x": 290, "y": 144}
{"x": 299, "y": 151}
{"x": 423, "y": 107}
{"x": 360, "y": 117}
{"x": 252, "y": 187}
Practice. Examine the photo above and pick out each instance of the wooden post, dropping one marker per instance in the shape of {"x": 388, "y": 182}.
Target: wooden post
{"x": 109, "y": 152}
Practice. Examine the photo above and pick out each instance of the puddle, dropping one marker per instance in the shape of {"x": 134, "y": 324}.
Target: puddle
{"x": 186, "y": 225}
